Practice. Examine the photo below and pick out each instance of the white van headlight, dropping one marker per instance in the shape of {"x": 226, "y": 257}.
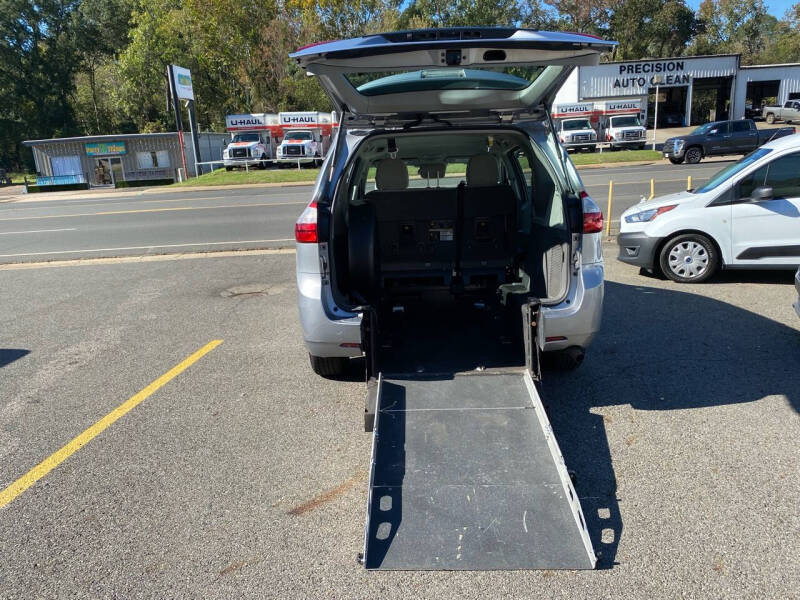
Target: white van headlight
{"x": 648, "y": 215}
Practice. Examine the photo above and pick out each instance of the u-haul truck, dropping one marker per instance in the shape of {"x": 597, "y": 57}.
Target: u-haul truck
{"x": 621, "y": 123}
{"x": 574, "y": 125}
{"x": 254, "y": 140}
{"x": 306, "y": 137}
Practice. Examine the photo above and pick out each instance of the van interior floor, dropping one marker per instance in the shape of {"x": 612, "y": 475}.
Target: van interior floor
{"x": 450, "y": 337}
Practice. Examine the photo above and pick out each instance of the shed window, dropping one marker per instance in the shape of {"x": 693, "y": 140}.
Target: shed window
{"x": 153, "y": 160}
{"x": 65, "y": 165}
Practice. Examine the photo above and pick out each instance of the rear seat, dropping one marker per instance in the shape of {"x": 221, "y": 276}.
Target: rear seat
{"x": 489, "y": 220}
{"x": 416, "y": 228}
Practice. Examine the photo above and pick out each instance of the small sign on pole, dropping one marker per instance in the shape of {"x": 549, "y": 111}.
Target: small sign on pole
{"x": 183, "y": 83}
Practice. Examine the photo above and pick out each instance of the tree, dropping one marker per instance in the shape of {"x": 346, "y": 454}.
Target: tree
{"x": 730, "y": 26}
{"x": 781, "y": 38}
{"x": 38, "y": 55}
{"x": 663, "y": 28}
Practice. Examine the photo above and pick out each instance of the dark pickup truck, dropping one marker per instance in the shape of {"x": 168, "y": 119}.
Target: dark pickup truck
{"x": 720, "y": 137}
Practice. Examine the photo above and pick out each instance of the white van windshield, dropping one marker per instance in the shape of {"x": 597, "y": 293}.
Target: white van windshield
{"x": 246, "y": 137}
{"x": 732, "y": 170}
{"x": 298, "y": 135}
{"x": 575, "y": 124}
{"x": 625, "y": 121}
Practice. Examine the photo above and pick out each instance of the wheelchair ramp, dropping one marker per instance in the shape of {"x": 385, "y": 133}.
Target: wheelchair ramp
{"x": 466, "y": 474}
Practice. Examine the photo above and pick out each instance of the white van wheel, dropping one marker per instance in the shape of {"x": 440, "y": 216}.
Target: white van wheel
{"x": 689, "y": 258}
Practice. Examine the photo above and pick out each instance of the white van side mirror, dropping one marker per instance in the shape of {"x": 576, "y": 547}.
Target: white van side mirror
{"x": 761, "y": 194}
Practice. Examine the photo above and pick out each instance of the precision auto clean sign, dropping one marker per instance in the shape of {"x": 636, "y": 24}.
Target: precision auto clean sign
{"x": 636, "y": 78}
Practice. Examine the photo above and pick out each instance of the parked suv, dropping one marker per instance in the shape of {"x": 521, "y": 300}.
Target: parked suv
{"x": 447, "y": 196}
{"x": 720, "y": 138}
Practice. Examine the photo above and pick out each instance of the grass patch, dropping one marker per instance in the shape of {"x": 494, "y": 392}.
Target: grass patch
{"x": 606, "y": 156}
{"x": 240, "y": 177}
{"x": 19, "y": 178}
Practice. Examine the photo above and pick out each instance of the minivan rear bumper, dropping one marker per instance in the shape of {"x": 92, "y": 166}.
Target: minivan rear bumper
{"x": 577, "y": 319}
{"x": 323, "y": 335}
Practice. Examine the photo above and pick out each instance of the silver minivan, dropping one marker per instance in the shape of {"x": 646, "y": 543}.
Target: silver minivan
{"x": 447, "y": 200}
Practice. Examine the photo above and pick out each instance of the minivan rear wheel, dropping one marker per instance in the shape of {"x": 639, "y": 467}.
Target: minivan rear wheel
{"x": 689, "y": 258}
{"x": 328, "y": 366}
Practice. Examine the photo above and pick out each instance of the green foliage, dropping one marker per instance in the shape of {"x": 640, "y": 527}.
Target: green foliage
{"x": 70, "y": 67}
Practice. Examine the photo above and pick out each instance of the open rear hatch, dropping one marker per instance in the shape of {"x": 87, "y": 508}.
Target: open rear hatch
{"x": 453, "y": 71}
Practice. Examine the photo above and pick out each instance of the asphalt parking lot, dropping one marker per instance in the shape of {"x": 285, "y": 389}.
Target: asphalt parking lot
{"x": 245, "y": 475}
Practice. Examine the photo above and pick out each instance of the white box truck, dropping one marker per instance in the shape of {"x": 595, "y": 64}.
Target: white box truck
{"x": 574, "y": 126}
{"x": 306, "y": 137}
{"x": 254, "y": 140}
{"x": 621, "y": 123}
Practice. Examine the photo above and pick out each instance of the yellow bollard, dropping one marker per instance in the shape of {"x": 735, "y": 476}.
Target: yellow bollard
{"x": 652, "y": 189}
{"x": 689, "y": 183}
{"x": 608, "y": 212}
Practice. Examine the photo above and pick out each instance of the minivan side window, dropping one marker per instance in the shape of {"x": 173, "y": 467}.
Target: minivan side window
{"x": 739, "y": 126}
{"x": 783, "y": 176}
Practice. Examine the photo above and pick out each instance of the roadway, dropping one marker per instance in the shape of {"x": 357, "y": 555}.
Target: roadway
{"x": 185, "y": 220}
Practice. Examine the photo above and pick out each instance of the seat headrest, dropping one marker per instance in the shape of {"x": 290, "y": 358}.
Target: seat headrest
{"x": 432, "y": 171}
{"x": 482, "y": 170}
{"x": 391, "y": 175}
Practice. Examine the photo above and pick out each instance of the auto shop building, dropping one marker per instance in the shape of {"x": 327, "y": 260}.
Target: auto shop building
{"x": 691, "y": 90}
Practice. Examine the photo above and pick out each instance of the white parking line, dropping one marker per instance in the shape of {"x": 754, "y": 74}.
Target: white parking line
{"x": 36, "y": 231}
{"x": 145, "y": 247}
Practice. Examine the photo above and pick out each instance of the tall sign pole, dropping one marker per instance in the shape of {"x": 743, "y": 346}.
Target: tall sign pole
{"x": 657, "y": 80}
{"x": 195, "y": 137}
{"x": 176, "y": 104}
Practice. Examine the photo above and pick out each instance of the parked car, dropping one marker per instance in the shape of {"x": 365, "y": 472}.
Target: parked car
{"x": 797, "y": 287}
{"x": 790, "y": 111}
{"x": 720, "y": 138}
{"x": 746, "y": 216}
{"x": 578, "y": 134}
{"x": 388, "y": 232}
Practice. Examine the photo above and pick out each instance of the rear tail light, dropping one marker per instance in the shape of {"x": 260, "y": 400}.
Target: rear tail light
{"x": 592, "y": 215}
{"x": 305, "y": 229}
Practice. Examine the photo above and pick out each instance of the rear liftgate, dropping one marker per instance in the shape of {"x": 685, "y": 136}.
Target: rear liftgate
{"x": 466, "y": 472}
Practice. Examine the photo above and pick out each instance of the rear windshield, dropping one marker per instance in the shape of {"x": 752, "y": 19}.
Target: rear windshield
{"x": 501, "y": 78}
{"x": 575, "y": 124}
{"x": 731, "y": 170}
{"x": 423, "y": 175}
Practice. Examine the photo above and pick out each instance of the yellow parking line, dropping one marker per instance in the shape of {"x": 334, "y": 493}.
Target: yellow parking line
{"x": 55, "y": 459}
{"x": 149, "y": 210}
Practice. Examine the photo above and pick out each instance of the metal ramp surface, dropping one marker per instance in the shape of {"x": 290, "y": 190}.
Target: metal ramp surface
{"x": 466, "y": 474}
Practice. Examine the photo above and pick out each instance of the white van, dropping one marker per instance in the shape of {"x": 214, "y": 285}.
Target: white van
{"x": 746, "y": 216}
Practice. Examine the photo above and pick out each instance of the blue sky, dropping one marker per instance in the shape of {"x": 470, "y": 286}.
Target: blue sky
{"x": 774, "y": 7}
